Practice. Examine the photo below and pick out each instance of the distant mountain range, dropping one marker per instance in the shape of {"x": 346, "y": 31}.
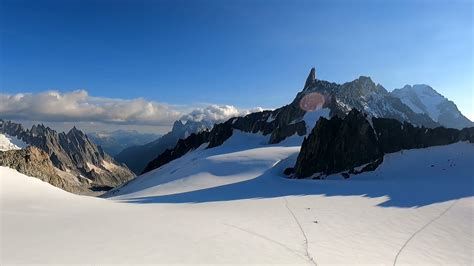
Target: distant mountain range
{"x": 68, "y": 160}
{"x": 423, "y": 99}
{"x": 116, "y": 141}
{"x": 137, "y": 157}
{"x": 330, "y": 117}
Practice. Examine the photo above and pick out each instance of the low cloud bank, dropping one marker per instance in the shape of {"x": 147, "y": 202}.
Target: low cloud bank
{"x": 79, "y": 106}
{"x": 217, "y": 113}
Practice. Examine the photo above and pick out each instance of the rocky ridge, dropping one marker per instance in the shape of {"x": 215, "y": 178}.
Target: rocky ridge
{"x": 32, "y": 161}
{"x": 74, "y": 156}
{"x": 358, "y": 141}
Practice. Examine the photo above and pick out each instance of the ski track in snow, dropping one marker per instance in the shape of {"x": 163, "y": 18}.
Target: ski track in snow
{"x": 295, "y": 252}
{"x": 421, "y": 229}
{"x": 306, "y": 244}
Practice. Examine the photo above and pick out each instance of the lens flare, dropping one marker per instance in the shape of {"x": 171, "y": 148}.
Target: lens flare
{"x": 312, "y": 102}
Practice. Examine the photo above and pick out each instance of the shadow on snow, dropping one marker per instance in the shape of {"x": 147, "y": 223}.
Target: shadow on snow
{"x": 404, "y": 193}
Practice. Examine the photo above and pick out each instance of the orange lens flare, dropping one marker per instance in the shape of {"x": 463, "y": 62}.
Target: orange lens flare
{"x": 312, "y": 102}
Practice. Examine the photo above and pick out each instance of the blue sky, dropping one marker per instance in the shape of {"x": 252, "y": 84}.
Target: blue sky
{"x": 243, "y": 53}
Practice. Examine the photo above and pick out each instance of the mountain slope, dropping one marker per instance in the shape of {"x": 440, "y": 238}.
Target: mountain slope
{"x": 137, "y": 157}
{"x": 423, "y": 99}
{"x": 74, "y": 156}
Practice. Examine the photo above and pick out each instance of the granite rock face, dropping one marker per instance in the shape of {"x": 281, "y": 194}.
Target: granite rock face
{"x": 32, "y": 161}
{"x": 339, "y": 145}
{"x": 73, "y": 154}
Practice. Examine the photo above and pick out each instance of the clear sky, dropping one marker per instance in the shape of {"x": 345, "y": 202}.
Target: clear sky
{"x": 242, "y": 53}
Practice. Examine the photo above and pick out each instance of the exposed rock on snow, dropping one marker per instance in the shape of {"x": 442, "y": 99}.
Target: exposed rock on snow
{"x": 32, "y": 161}
{"x": 338, "y": 145}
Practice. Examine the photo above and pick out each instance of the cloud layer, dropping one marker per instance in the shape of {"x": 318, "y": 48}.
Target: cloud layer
{"x": 79, "y": 106}
{"x": 217, "y": 113}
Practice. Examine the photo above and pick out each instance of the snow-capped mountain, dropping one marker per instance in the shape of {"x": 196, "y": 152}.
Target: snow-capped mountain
{"x": 137, "y": 157}
{"x": 116, "y": 141}
{"x": 423, "y": 99}
{"x": 318, "y": 98}
{"x": 364, "y": 95}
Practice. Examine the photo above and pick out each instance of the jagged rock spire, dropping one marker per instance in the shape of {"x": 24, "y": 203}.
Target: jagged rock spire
{"x": 311, "y": 78}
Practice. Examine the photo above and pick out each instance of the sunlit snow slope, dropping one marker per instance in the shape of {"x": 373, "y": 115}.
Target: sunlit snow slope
{"x": 231, "y": 204}
{"x": 10, "y": 143}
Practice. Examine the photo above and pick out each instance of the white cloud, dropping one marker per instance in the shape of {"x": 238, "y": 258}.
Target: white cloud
{"x": 79, "y": 106}
{"x": 217, "y": 113}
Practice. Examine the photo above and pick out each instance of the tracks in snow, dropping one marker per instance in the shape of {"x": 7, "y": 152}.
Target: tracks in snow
{"x": 297, "y": 253}
{"x": 421, "y": 229}
{"x": 310, "y": 258}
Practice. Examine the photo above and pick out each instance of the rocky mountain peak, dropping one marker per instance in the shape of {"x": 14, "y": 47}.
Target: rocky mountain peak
{"x": 366, "y": 85}
{"x": 311, "y": 79}
{"x": 75, "y": 132}
{"x": 423, "y": 99}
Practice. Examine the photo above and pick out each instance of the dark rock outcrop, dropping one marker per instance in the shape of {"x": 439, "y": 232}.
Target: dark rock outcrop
{"x": 338, "y": 145}
{"x": 72, "y": 153}
{"x": 311, "y": 79}
{"x": 34, "y": 162}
